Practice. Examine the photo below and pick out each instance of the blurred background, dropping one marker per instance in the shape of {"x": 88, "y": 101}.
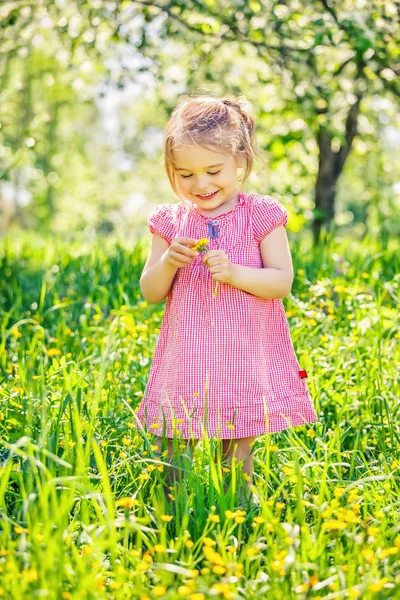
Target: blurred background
{"x": 87, "y": 87}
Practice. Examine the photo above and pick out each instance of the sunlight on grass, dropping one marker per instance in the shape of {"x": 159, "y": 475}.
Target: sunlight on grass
{"x": 87, "y": 509}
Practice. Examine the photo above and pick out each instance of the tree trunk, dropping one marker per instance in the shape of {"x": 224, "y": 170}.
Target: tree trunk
{"x": 331, "y": 164}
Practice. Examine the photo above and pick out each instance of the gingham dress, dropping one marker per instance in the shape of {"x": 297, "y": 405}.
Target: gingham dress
{"x": 226, "y": 364}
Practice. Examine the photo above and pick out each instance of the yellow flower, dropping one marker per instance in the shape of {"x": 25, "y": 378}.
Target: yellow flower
{"x": 208, "y": 542}
{"x": 239, "y": 520}
{"x": 183, "y": 590}
{"x": 166, "y": 518}
{"x": 159, "y": 590}
{"x": 19, "y": 529}
{"x": 385, "y": 552}
{"x": 219, "y": 570}
{"x": 214, "y": 518}
{"x": 378, "y": 585}
{"x": 127, "y": 502}
{"x": 333, "y": 524}
{"x": 53, "y": 352}
{"x": 201, "y": 247}
{"x": 277, "y": 565}
{"x": 368, "y": 555}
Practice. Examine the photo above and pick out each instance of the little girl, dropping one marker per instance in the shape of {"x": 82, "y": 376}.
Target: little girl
{"x": 224, "y": 361}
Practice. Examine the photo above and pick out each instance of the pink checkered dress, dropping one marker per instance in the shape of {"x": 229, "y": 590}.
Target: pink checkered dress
{"x": 224, "y": 364}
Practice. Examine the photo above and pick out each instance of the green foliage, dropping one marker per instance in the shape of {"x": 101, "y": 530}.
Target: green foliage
{"x": 302, "y": 65}
{"x": 81, "y": 489}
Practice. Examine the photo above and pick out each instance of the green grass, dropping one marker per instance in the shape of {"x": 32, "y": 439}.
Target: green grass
{"x": 82, "y": 510}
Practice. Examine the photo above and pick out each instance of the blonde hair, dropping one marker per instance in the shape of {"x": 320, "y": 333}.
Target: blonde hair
{"x": 211, "y": 122}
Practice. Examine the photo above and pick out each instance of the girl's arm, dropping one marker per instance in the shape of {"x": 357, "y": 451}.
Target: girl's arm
{"x": 161, "y": 266}
{"x": 158, "y": 274}
{"x": 276, "y": 278}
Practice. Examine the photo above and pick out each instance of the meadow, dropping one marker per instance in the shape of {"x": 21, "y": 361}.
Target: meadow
{"x": 82, "y": 512}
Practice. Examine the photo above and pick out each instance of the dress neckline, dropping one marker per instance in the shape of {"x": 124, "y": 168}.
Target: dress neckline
{"x": 192, "y": 209}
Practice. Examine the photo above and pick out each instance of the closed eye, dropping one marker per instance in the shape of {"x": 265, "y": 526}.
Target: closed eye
{"x": 215, "y": 173}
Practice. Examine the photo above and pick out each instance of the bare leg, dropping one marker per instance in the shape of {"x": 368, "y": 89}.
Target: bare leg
{"x": 173, "y": 474}
{"x": 242, "y": 449}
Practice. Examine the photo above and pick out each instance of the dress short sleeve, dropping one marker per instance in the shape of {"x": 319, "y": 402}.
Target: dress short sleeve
{"x": 267, "y": 214}
{"x": 161, "y": 220}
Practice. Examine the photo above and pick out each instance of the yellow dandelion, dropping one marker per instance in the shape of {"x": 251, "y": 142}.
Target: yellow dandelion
{"x": 368, "y": 555}
{"x": 277, "y": 565}
{"x": 378, "y": 585}
{"x": 333, "y": 524}
{"x": 385, "y": 552}
{"x": 127, "y": 502}
{"x": 208, "y": 542}
{"x": 201, "y": 247}
{"x": 53, "y": 352}
{"x": 219, "y": 570}
{"x": 214, "y": 518}
{"x": 239, "y": 520}
{"x": 159, "y": 590}
{"x": 20, "y": 530}
{"x": 166, "y": 518}
{"x": 193, "y": 573}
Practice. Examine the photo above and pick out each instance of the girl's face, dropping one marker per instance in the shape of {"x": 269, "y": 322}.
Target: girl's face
{"x": 205, "y": 177}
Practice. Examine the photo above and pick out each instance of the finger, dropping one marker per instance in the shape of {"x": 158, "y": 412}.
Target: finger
{"x": 187, "y": 241}
{"x": 181, "y": 258}
{"x": 208, "y": 255}
{"x": 187, "y": 251}
{"x": 212, "y": 261}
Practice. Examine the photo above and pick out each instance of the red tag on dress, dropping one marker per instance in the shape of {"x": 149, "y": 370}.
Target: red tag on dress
{"x": 303, "y": 374}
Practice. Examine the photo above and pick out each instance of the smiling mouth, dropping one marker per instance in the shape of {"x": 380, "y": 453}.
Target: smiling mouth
{"x": 207, "y": 196}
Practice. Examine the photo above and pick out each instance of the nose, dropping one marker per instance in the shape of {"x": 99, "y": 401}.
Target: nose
{"x": 200, "y": 184}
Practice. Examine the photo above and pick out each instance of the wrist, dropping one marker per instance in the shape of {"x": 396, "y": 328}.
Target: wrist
{"x": 233, "y": 277}
{"x": 167, "y": 265}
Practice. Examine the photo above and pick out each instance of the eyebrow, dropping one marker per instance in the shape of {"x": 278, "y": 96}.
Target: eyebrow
{"x": 209, "y": 167}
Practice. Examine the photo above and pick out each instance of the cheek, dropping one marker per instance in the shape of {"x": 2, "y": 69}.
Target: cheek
{"x": 183, "y": 184}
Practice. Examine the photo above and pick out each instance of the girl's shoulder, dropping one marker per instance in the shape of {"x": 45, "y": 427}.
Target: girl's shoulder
{"x": 162, "y": 220}
{"x": 262, "y": 200}
{"x": 266, "y": 214}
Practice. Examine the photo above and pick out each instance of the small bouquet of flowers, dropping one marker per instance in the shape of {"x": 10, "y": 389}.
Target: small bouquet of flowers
{"x": 201, "y": 246}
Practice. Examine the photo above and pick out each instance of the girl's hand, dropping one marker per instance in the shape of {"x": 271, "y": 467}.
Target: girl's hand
{"x": 179, "y": 254}
{"x": 219, "y": 264}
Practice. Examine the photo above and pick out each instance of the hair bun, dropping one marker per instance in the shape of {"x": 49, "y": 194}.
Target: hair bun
{"x": 233, "y": 103}
{"x": 238, "y": 105}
